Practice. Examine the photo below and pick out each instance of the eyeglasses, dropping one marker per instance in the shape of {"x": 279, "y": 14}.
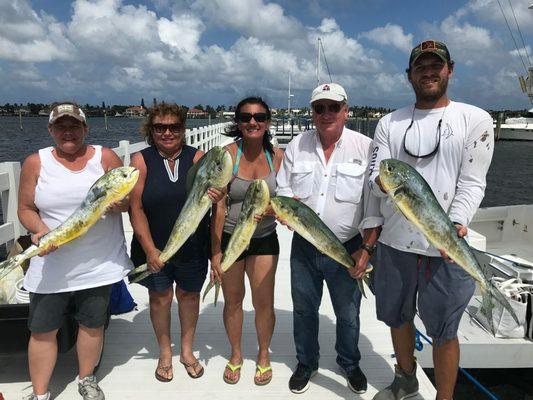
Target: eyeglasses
{"x": 247, "y": 117}
{"x": 321, "y": 108}
{"x": 162, "y": 128}
{"x": 438, "y": 139}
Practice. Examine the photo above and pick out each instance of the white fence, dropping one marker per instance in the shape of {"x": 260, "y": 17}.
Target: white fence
{"x": 202, "y": 138}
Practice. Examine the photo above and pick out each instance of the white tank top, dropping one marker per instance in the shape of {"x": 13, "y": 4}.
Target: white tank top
{"x": 99, "y": 257}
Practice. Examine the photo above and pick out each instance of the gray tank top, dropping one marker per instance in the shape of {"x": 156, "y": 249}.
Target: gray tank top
{"x": 237, "y": 190}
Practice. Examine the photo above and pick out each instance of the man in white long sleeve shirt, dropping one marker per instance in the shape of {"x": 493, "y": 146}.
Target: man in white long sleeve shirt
{"x": 450, "y": 144}
{"x": 325, "y": 169}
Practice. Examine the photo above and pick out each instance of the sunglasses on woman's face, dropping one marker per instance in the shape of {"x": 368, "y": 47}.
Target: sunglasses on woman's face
{"x": 162, "y": 128}
{"x": 247, "y": 117}
{"x": 321, "y": 108}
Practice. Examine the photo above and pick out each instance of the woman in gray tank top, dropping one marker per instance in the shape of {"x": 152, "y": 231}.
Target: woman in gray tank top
{"x": 254, "y": 158}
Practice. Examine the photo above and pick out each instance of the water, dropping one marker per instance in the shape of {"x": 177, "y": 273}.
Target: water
{"x": 17, "y": 144}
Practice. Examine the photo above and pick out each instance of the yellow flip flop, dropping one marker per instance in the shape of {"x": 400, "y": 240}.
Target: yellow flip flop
{"x": 260, "y": 372}
{"x": 234, "y": 369}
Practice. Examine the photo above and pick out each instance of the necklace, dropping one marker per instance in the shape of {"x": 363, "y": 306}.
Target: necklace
{"x": 172, "y": 157}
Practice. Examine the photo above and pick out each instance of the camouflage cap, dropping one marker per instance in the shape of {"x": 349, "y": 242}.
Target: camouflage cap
{"x": 430, "y": 46}
{"x": 67, "y": 109}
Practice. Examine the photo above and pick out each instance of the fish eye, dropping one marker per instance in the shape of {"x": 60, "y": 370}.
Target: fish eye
{"x": 390, "y": 168}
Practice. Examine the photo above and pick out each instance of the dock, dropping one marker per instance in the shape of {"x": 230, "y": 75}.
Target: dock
{"x": 130, "y": 353}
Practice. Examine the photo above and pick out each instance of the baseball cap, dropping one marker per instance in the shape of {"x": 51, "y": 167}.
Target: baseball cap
{"x": 430, "y": 46}
{"x": 67, "y": 109}
{"x": 330, "y": 91}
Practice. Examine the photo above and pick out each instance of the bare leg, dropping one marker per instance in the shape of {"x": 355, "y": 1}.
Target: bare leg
{"x": 189, "y": 306}
{"x": 89, "y": 346}
{"x": 403, "y": 341}
{"x": 42, "y": 356}
{"x": 446, "y": 361}
{"x": 160, "y": 303}
{"x": 261, "y": 271}
{"x": 233, "y": 288}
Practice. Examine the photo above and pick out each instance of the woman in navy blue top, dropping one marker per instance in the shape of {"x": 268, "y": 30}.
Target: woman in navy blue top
{"x": 155, "y": 204}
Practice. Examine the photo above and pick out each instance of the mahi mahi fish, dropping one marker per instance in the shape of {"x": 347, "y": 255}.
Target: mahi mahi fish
{"x": 415, "y": 199}
{"x": 255, "y": 202}
{"x": 108, "y": 189}
{"x": 212, "y": 170}
{"x": 307, "y": 224}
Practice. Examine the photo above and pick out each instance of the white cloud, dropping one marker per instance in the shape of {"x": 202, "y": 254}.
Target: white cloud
{"x": 521, "y": 52}
{"x": 391, "y": 34}
{"x": 25, "y": 36}
{"x": 253, "y": 18}
{"x": 183, "y": 32}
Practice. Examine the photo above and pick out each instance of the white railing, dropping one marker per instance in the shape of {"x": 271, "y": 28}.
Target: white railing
{"x": 202, "y": 138}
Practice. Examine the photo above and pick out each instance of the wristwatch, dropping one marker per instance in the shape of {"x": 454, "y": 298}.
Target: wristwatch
{"x": 369, "y": 249}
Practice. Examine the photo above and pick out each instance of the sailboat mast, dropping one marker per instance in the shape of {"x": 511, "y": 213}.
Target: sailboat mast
{"x": 318, "y": 62}
{"x": 289, "y": 96}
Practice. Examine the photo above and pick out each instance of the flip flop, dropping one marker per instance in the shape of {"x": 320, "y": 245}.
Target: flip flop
{"x": 193, "y": 366}
{"x": 260, "y": 372}
{"x": 233, "y": 369}
{"x": 165, "y": 369}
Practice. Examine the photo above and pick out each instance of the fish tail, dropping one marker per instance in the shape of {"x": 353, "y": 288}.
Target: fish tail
{"x": 139, "y": 269}
{"x": 7, "y": 266}
{"x": 361, "y": 287}
{"x": 140, "y": 277}
{"x": 504, "y": 301}
{"x": 207, "y": 289}
{"x": 217, "y": 291}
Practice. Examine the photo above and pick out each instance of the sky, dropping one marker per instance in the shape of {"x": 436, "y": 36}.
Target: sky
{"x": 219, "y": 51}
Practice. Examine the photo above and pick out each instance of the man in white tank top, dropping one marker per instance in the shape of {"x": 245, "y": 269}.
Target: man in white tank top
{"x": 53, "y": 184}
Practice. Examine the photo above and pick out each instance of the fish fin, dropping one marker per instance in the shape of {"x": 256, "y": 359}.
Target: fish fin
{"x": 217, "y": 291}
{"x": 139, "y": 269}
{"x": 207, "y": 289}
{"x": 361, "y": 287}
{"x": 141, "y": 277}
{"x": 500, "y": 298}
{"x": 7, "y": 266}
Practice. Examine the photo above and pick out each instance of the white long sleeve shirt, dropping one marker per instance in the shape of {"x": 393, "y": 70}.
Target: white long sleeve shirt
{"x": 456, "y": 173}
{"x": 334, "y": 190}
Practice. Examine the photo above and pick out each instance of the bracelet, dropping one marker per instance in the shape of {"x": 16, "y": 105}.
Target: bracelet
{"x": 369, "y": 249}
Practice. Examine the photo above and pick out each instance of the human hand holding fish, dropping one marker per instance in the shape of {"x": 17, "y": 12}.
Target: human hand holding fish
{"x": 461, "y": 232}
{"x": 361, "y": 266}
{"x": 35, "y": 240}
{"x": 119, "y": 206}
{"x": 215, "y": 195}
{"x": 153, "y": 261}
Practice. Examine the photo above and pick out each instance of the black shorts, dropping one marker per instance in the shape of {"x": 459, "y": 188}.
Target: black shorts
{"x": 47, "y": 310}
{"x": 266, "y": 245}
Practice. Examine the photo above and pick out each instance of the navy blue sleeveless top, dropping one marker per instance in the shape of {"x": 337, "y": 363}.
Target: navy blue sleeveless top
{"x": 162, "y": 201}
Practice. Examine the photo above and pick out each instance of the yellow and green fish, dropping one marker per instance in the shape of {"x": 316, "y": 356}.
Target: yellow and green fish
{"x": 108, "y": 189}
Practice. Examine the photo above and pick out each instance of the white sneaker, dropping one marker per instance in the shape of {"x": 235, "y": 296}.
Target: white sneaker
{"x": 89, "y": 389}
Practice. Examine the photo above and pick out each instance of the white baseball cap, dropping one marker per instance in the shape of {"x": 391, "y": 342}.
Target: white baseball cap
{"x": 330, "y": 91}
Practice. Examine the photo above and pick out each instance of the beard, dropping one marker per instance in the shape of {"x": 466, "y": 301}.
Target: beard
{"x": 431, "y": 95}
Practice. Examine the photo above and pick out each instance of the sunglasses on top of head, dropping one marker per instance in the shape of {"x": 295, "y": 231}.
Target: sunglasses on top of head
{"x": 162, "y": 128}
{"x": 247, "y": 117}
{"x": 321, "y": 108}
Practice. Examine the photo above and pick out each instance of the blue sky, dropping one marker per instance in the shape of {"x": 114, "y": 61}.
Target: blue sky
{"x": 218, "y": 51}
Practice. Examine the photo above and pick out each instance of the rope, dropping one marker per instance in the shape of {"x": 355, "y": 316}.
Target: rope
{"x": 520, "y": 33}
{"x": 490, "y": 395}
{"x": 325, "y": 60}
{"x": 512, "y": 36}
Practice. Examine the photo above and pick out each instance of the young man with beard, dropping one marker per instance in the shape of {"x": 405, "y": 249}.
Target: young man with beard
{"x": 451, "y": 145}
